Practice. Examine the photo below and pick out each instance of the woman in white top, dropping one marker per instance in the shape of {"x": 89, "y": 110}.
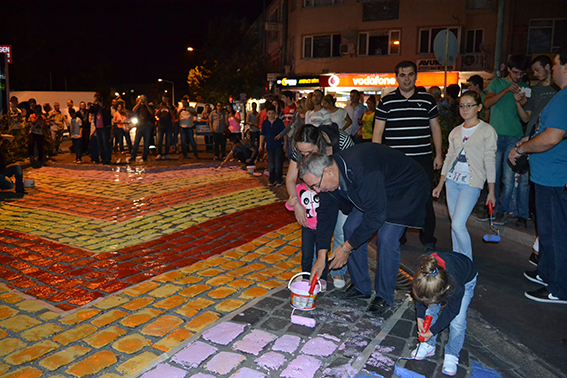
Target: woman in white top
{"x": 318, "y": 116}
{"x": 470, "y": 161}
{"x": 338, "y": 115}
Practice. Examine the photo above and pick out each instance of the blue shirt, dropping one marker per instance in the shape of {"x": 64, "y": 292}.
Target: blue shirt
{"x": 270, "y": 131}
{"x": 549, "y": 168}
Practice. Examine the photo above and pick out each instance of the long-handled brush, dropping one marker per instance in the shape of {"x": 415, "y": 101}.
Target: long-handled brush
{"x": 403, "y": 372}
{"x": 495, "y": 236}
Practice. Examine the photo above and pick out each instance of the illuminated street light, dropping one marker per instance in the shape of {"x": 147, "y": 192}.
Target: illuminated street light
{"x": 190, "y": 49}
{"x": 172, "y": 90}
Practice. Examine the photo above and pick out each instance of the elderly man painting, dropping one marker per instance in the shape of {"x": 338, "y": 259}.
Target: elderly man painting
{"x": 382, "y": 190}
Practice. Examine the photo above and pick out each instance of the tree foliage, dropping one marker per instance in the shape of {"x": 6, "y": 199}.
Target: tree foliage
{"x": 233, "y": 63}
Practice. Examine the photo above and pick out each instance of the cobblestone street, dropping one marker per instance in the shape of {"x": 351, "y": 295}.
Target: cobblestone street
{"x": 178, "y": 270}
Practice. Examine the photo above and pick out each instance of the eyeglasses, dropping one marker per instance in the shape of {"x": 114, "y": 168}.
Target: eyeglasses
{"x": 317, "y": 186}
{"x": 467, "y": 106}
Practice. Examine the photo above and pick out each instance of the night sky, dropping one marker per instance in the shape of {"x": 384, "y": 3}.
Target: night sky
{"x": 99, "y": 43}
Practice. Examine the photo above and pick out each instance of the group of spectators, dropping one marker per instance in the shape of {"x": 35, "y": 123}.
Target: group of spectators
{"x": 344, "y": 190}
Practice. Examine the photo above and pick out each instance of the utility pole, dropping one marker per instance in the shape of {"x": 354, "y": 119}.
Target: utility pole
{"x": 499, "y": 38}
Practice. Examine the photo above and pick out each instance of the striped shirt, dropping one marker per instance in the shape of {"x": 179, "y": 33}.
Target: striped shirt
{"x": 407, "y": 122}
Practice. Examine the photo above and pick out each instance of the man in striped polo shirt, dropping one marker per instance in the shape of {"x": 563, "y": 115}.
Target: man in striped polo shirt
{"x": 407, "y": 120}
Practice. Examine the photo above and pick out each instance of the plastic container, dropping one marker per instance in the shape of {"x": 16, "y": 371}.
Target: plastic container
{"x": 29, "y": 183}
{"x": 300, "y": 297}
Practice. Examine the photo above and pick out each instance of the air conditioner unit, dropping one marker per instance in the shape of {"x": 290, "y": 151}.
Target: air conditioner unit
{"x": 347, "y": 48}
{"x": 473, "y": 61}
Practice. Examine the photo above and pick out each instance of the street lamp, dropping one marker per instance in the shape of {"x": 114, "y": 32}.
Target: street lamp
{"x": 172, "y": 90}
{"x": 190, "y": 48}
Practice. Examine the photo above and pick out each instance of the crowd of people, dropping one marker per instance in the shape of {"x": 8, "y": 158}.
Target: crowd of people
{"x": 363, "y": 170}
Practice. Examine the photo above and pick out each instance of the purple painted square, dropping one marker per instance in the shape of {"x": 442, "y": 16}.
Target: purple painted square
{"x": 165, "y": 370}
{"x": 224, "y": 333}
{"x": 247, "y": 373}
{"x": 271, "y": 361}
{"x": 287, "y": 343}
{"x": 302, "y": 367}
{"x": 319, "y": 347}
{"x": 201, "y": 375}
{"x": 254, "y": 342}
{"x": 224, "y": 362}
{"x": 194, "y": 354}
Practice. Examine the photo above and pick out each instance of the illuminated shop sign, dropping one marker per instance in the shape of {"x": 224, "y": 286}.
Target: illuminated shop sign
{"x": 424, "y": 79}
{"x": 312, "y": 81}
{"x": 6, "y": 49}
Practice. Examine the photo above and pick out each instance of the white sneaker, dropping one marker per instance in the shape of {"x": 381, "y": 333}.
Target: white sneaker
{"x": 422, "y": 351}
{"x": 339, "y": 282}
{"x": 450, "y": 364}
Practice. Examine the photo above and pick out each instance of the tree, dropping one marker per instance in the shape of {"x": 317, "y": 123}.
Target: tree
{"x": 233, "y": 63}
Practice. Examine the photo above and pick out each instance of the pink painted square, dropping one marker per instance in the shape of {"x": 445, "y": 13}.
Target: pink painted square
{"x": 287, "y": 343}
{"x": 194, "y": 354}
{"x": 224, "y": 362}
{"x": 302, "y": 367}
{"x": 254, "y": 342}
{"x": 165, "y": 370}
{"x": 224, "y": 333}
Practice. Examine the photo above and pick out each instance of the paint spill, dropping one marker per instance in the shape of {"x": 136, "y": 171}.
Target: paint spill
{"x": 224, "y": 333}
{"x": 302, "y": 367}
{"x": 340, "y": 371}
{"x": 224, "y": 362}
{"x": 287, "y": 343}
{"x": 319, "y": 347}
{"x": 330, "y": 337}
{"x": 380, "y": 361}
{"x": 385, "y": 349}
{"x": 194, "y": 354}
{"x": 271, "y": 361}
{"x": 254, "y": 342}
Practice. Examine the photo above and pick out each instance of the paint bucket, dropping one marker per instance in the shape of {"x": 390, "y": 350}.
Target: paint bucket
{"x": 300, "y": 297}
{"x": 29, "y": 183}
{"x": 251, "y": 168}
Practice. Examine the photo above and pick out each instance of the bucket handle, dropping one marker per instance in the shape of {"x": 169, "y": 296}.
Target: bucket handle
{"x": 299, "y": 274}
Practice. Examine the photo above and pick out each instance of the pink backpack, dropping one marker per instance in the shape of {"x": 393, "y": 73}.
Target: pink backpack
{"x": 310, "y": 201}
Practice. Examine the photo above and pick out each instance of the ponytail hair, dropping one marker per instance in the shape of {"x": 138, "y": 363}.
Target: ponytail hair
{"x": 431, "y": 282}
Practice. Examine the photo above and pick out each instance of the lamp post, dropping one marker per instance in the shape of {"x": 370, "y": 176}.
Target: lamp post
{"x": 172, "y": 90}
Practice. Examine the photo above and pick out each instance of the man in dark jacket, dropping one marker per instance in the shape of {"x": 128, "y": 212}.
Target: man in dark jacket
{"x": 103, "y": 124}
{"x": 383, "y": 191}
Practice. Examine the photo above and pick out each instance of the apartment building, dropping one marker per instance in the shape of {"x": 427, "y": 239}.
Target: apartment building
{"x": 343, "y": 44}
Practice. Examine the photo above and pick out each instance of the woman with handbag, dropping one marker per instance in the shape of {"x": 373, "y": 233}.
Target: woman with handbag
{"x": 470, "y": 161}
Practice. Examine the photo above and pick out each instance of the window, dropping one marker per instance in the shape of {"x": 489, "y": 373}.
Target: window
{"x": 322, "y": 46}
{"x": 320, "y": 3}
{"x": 546, "y": 36}
{"x": 379, "y": 43}
{"x": 474, "y": 39}
{"x": 427, "y": 36}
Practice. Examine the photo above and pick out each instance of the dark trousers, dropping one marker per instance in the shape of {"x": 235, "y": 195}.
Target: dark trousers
{"x": 162, "y": 132}
{"x": 93, "y": 150}
{"x": 86, "y": 136}
{"x": 255, "y": 138}
{"x": 219, "y": 141}
{"x": 426, "y": 235}
{"x": 387, "y": 259}
{"x": 275, "y": 165}
{"x": 308, "y": 251}
{"x": 551, "y": 204}
{"x": 36, "y": 141}
{"x": 77, "y": 146}
{"x": 187, "y": 137}
{"x": 103, "y": 142}
{"x": 142, "y": 131}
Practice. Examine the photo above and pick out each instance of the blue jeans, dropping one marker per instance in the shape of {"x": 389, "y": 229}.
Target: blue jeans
{"x": 275, "y": 165}
{"x": 461, "y": 199}
{"x": 387, "y": 259}
{"x": 12, "y": 170}
{"x": 142, "y": 131}
{"x": 504, "y": 172}
{"x": 161, "y": 132}
{"x": 187, "y": 137}
{"x": 103, "y": 142}
{"x": 458, "y": 326}
{"x": 338, "y": 239}
{"x": 523, "y": 196}
{"x": 551, "y": 205}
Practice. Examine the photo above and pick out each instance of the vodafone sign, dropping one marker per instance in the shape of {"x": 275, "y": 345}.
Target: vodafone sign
{"x": 424, "y": 79}
{"x": 7, "y": 49}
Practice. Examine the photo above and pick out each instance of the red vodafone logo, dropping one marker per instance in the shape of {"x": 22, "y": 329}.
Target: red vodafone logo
{"x": 334, "y": 80}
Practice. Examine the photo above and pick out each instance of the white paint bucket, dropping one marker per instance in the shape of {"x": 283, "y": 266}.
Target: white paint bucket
{"x": 29, "y": 183}
{"x": 300, "y": 297}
